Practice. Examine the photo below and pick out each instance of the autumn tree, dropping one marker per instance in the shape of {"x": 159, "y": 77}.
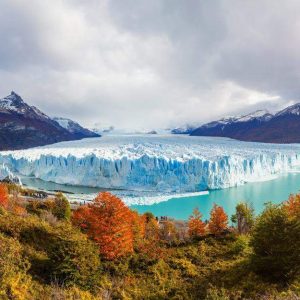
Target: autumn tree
{"x": 151, "y": 227}
{"x": 149, "y": 246}
{"x": 243, "y": 217}
{"x": 292, "y": 206}
{"x": 138, "y": 229}
{"x": 107, "y": 221}
{"x": 4, "y": 198}
{"x": 168, "y": 232}
{"x": 196, "y": 227}
{"x": 218, "y": 220}
{"x": 148, "y": 216}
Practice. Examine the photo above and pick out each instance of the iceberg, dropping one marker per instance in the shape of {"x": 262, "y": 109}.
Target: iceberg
{"x": 173, "y": 164}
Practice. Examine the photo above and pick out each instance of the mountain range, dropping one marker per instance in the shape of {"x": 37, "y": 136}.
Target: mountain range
{"x": 24, "y": 126}
{"x": 259, "y": 126}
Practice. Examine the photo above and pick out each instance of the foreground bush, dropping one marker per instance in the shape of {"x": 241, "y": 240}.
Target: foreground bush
{"x": 46, "y": 257}
{"x": 73, "y": 259}
{"x": 276, "y": 244}
{"x": 14, "y": 282}
{"x": 61, "y": 208}
{"x": 57, "y": 253}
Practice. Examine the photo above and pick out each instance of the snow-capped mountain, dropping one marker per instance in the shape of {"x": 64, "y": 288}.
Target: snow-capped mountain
{"x": 291, "y": 110}
{"x": 262, "y": 115}
{"x": 259, "y": 126}
{"x": 259, "y": 115}
{"x": 24, "y": 126}
{"x": 234, "y": 126}
{"x": 75, "y": 128}
{"x": 14, "y": 104}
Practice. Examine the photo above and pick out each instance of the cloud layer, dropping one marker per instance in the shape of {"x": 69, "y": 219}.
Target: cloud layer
{"x": 149, "y": 64}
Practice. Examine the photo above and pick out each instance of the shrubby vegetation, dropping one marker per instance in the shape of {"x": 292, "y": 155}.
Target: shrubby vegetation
{"x": 104, "y": 250}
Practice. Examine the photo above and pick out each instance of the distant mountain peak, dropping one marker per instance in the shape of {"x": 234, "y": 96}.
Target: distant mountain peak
{"x": 258, "y": 114}
{"x": 13, "y": 103}
{"x": 13, "y": 93}
{"x": 14, "y": 97}
{"x": 290, "y": 110}
{"x": 259, "y": 126}
{"x": 23, "y": 126}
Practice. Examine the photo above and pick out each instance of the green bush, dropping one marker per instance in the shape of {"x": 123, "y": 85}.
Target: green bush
{"x": 56, "y": 253}
{"x": 73, "y": 259}
{"x": 239, "y": 245}
{"x": 243, "y": 217}
{"x": 276, "y": 245}
{"x": 61, "y": 209}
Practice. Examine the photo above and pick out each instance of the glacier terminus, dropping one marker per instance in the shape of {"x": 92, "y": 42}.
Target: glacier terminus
{"x": 168, "y": 163}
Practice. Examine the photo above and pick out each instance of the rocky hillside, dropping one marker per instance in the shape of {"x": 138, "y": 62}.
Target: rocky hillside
{"x": 260, "y": 126}
{"x": 24, "y": 126}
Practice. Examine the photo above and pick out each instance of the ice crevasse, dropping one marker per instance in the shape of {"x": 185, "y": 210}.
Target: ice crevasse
{"x": 171, "y": 164}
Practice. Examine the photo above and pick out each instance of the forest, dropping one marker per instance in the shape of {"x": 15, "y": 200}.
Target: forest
{"x": 105, "y": 250}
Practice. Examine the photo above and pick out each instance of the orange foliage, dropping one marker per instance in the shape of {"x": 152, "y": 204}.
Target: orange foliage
{"x": 138, "y": 228}
{"x": 218, "y": 220}
{"x": 4, "y": 198}
{"x": 16, "y": 207}
{"x": 10, "y": 202}
{"x": 292, "y": 206}
{"x": 109, "y": 223}
{"x": 150, "y": 246}
{"x": 152, "y": 230}
{"x": 195, "y": 224}
{"x": 168, "y": 231}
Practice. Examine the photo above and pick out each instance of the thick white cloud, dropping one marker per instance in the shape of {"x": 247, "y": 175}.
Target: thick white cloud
{"x": 148, "y": 64}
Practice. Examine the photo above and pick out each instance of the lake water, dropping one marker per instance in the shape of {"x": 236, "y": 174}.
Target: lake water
{"x": 258, "y": 193}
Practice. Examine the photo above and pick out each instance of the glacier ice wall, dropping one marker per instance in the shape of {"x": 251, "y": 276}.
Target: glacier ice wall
{"x": 5, "y": 173}
{"x": 173, "y": 164}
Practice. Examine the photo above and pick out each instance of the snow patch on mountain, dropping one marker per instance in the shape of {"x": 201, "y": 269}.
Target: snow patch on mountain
{"x": 13, "y": 103}
{"x": 259, "y": 114}
{"x": 75, "y": 128}
{"x": 291, "y": 110}
{"x": 262, "y": 115}
{"x": 63, "y": 122}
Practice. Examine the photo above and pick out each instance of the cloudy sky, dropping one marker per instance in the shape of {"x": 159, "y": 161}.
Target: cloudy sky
{"x": 148, "y": 64}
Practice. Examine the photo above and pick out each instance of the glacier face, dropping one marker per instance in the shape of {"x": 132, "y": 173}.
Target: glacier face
{"x": 160, "y": 163}
{"x": 5, "y": 173}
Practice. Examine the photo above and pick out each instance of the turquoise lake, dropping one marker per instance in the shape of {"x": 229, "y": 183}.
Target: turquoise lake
{"x": 258, "y": 193}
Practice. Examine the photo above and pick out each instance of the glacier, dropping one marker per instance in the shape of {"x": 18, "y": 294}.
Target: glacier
{"x": 165, "y": 163}
{"x": 5, "y": 173}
